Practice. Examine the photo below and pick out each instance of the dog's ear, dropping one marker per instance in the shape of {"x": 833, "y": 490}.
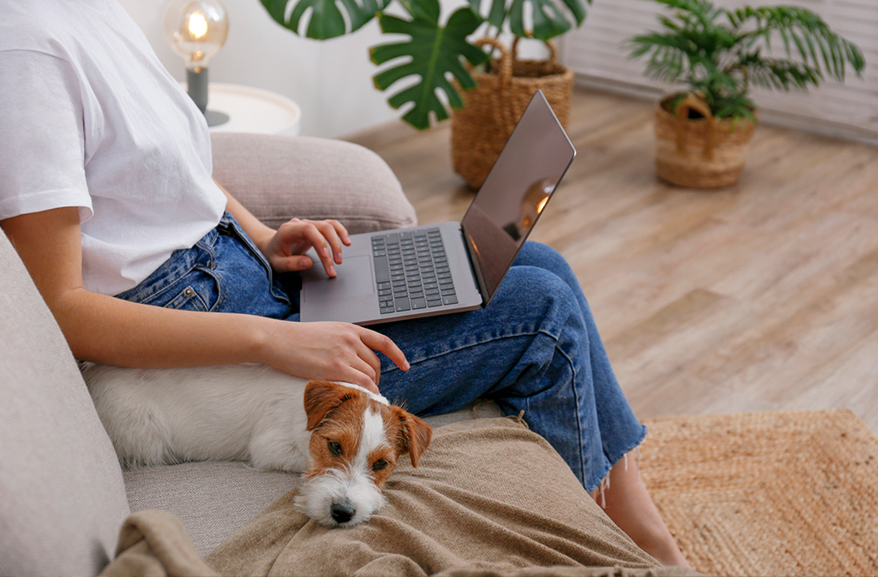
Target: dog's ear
{"x": 323, "y": 396}
{"x": 414, "y": 434}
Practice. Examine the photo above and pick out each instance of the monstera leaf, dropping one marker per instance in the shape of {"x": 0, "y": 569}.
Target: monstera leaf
{"x": 432, "y": 54}
{"x": 547, "y": 18}
{"x": 326, "y": 18}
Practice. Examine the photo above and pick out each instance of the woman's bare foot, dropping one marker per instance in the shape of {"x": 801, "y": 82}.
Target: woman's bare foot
{"x": 626, "y": 501}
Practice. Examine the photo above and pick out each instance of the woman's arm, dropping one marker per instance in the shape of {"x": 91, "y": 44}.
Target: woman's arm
{"x": 285, "y": 248}
{"x": 108, "y": 330}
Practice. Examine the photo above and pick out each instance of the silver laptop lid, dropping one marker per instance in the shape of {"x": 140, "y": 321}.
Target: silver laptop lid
{"x": 525, "y": 175}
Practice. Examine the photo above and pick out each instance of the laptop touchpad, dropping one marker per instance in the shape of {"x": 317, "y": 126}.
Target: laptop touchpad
{"x": 353, "y": 277}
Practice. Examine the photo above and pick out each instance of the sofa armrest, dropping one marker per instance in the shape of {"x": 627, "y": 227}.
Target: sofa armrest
{"x": 282, "y": 177}
{"x": 62, "y": 498}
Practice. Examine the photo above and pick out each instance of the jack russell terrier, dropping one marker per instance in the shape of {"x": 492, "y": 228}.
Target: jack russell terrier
{"x": 344, "y": 438}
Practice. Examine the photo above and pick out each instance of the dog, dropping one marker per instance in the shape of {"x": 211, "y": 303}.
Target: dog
{"x": 345, "y": 439}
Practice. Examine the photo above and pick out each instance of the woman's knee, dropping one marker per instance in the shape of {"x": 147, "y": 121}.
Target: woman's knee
{"x": 536, "y": 295}
{"x": 543, "y": 256}
{"x": 540, "y": 255}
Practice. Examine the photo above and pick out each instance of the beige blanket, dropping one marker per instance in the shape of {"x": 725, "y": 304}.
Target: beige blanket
{"x": 488, "y": 498}
{"x": 155, "y": 544}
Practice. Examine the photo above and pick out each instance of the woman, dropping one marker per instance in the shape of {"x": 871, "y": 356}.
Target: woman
{"x": 106, "y": 193}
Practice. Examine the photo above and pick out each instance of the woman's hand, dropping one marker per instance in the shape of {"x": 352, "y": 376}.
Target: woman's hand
{"x": 331, "y": 351}
{"x": 286, "y": 249}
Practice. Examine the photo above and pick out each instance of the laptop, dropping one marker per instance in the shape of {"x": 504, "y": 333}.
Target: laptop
{"x": 450, "y": 267}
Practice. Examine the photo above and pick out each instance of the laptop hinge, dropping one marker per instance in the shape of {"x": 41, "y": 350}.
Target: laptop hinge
{"x": 477, "y": 271}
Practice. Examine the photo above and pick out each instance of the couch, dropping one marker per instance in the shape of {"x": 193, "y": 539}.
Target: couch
{"x": 63, "y": 494}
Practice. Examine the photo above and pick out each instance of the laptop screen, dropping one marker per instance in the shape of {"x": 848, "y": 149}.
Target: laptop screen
{"x": 507, "y": 206}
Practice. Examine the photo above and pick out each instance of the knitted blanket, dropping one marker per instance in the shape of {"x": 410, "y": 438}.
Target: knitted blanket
{"x": 489, "y": 497}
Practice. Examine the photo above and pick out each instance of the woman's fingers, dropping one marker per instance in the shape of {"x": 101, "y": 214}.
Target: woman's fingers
{"x": 365, "y": 374}
{"x": 367, "y": 362}
{"x": 327, "y": 237}
{"x": 316, "y": 237}
{"x": 383, "y": 344}
{"x": 342, "y": 232}
{"x": 293, "y": 263}
{"x": 336, "y": 234}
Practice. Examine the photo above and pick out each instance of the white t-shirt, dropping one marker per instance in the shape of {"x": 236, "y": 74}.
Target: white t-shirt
{"x": 90, "y": 118}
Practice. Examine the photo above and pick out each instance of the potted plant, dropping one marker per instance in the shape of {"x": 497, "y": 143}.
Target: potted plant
{"x": 440, "y": 57}
{"x": 719, "y": 53}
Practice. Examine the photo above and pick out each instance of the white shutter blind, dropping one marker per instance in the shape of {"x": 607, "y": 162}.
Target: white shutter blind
{"x": 596, "y": 52}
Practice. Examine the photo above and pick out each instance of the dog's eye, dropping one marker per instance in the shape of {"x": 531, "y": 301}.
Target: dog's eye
{"x": 335, "y": 448}
{"x": 379, "y": 464}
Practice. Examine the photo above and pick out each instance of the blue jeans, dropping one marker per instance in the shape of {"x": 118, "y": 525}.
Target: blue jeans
{"x": 223, "y": 272}
{"x": 535, "y": 348}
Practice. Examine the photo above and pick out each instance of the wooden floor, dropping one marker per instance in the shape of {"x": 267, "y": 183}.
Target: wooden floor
{"x": 759, "y": 297}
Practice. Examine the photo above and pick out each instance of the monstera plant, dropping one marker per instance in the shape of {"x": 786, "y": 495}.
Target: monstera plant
{"x": 434, "y": 52}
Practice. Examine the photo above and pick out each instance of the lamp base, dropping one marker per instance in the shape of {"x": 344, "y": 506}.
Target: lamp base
{"x": 215, "y": 118}
{"x": 196, "y": 79}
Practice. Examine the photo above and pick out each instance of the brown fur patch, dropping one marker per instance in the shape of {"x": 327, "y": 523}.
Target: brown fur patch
{"x": 336, "y": 416}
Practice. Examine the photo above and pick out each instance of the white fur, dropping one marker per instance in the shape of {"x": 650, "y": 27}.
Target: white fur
{"x": 373, "y": 436}
{"x": 354, "y": 484}
{"x": 232, "y": 412}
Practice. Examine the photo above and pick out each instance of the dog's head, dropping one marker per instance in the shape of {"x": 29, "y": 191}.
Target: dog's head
{"x": 356, "y": 439}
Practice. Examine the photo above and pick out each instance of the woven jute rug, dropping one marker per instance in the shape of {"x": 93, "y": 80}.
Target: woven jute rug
{"x": 768, "y": 493}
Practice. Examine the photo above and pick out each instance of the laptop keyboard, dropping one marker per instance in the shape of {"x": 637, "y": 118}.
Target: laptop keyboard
{"x": 411, "y": 271}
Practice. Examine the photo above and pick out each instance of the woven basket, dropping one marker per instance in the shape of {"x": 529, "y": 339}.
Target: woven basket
{"x": 491, "y": 110}
{"x": 699, "y": 153}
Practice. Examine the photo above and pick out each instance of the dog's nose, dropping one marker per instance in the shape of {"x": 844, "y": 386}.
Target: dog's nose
{"x": 342, "y": 512}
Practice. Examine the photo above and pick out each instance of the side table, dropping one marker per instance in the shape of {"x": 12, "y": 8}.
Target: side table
{"x": 253, "y": 110}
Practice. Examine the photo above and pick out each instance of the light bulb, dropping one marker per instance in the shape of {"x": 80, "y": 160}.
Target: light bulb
{"x": 195, "y": 29}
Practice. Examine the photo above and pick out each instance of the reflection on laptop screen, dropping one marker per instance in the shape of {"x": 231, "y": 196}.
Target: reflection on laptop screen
{"x": 531, "y": 165}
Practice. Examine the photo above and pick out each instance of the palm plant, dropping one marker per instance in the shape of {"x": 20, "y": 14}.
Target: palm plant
{"x": 720, "y": 53}
{"x": 434, "y": 53}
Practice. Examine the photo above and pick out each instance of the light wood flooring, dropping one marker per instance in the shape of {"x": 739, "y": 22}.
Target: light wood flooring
{"x": 760, "y": 297}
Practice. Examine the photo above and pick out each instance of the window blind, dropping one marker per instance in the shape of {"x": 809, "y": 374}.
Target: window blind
{"x": 597, "y": 54}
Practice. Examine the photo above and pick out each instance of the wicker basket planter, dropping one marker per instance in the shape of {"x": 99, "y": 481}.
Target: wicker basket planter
{"x": 703, "y": 152}
{"x": 491, "y": 110}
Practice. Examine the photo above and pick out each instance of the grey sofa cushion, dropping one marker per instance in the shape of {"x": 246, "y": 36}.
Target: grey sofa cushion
{"x": 62, "y": 498}
{"x": 282, "y": 177}
{"x": 212, "y": 500}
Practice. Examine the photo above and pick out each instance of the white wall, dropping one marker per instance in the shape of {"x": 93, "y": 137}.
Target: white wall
{"x": 330, "y": 80}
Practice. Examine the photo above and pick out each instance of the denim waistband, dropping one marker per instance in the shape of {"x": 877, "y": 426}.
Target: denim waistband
{"x": 211, "y": 255}
{"x": 180, "y": 263}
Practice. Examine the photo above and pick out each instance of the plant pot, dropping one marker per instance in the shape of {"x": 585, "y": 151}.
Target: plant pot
{"x": 699, "y": 153}
{"x": 491, "y": 110}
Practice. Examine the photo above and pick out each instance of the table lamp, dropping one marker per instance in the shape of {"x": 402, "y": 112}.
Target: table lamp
{"x": 196, "y": 30}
